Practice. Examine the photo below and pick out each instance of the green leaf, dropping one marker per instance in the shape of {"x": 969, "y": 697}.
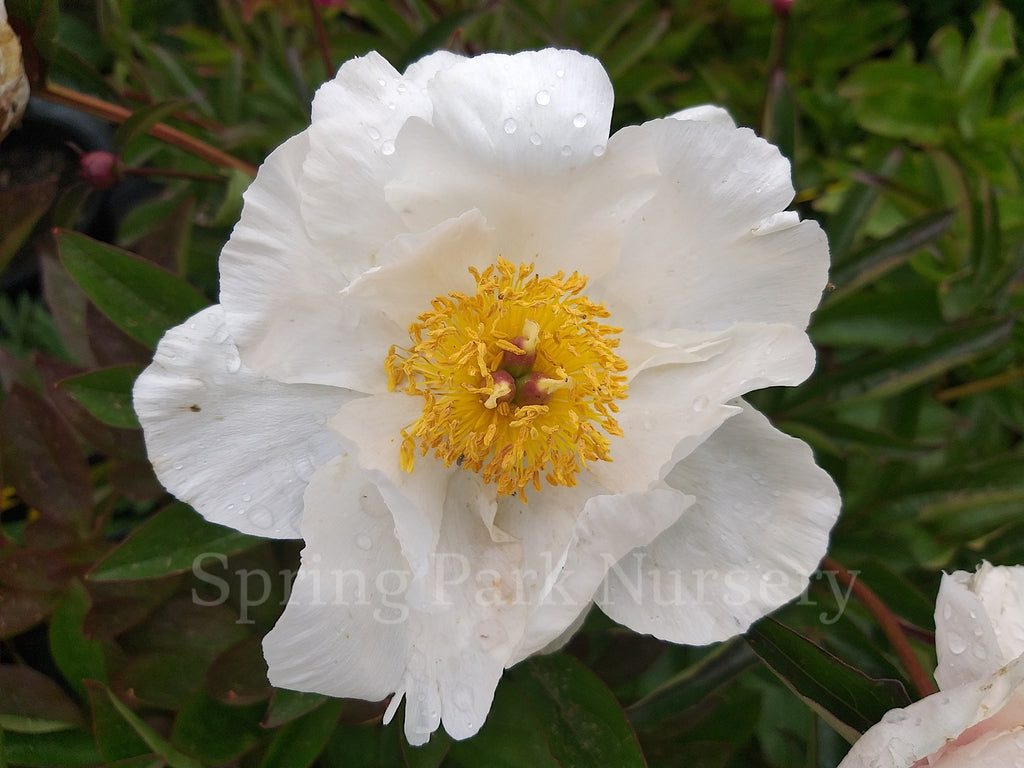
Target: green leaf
{"x": 693, "y": 685}
{"x": 78, "y": 657}
{"x": 989, "y": 46}
{"x": 900, "y": 100}
{"x": 289, "y": 705}
{"x": 298, "y": 743}
{"x": 107, "y": 394}
{"x": 143, "y": 119}
{"x": 879, "y": 320}
{"x": 66, "y": 748}
{"x": 849, "y": 700}
{"x": 551, "y": 712}
{"x": 880, "y": 376}
{"x": 169, "y": 542}
{"x": 216, "y": 733}
{"x": 877, "y": 258}
{"x": 121, "y": 734}
{"x": 138, "y": 296}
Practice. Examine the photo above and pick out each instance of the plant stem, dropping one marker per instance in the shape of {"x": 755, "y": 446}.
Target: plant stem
{"x": 321, "y": 36}
{"x": 118, "y": 114}
{"x": 982, "y": 385}
{"x": 890, "y": 625}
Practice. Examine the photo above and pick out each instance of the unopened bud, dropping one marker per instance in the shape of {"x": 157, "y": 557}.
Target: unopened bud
{"x": 101, "y": 170}
{"x": 781, "y": 7}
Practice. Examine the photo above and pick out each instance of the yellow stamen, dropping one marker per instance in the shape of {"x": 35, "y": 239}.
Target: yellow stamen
{"x": 456, "y": 364}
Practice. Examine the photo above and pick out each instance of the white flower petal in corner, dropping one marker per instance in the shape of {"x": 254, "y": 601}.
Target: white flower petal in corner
{"x": 977, "y": 717}
{"x": 979, "y": 623}
{"x": 238, "y": 447}
{"x": 511, "y": 344}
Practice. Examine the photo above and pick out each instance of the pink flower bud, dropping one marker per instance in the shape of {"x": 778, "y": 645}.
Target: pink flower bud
{"x": 101, "y": 170}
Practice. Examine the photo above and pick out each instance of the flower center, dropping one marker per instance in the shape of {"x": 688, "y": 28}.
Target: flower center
{"x": 518, "y": 380}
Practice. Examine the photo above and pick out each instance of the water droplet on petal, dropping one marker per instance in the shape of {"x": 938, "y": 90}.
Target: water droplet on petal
{"x": 373, "y": 132}
{"x": 247, "y": 497}
{"x": 559, "y": 73}
{"x": 401, "y": 88}
{"x": 510, "y": 126}
{"x": 700, "y": 403}
{"x": 364, "y": 542}
{"x": 261, "y": 517}
{"x": 382, "y": 82}
{"x": 566, "y": 150}
{"x": 755, "y": 476}
{"x": 543, "y": 98}
{"x": 233, "y": 364}
{"x": 179, "y": 467}
{"x": 387, "y": 148}
{"x": 304, "y": 468}
{"x": 580, "y": 120}
{"x": 956, "y": 644}
{"x": 979, "y": 652}
{"x": 535, "y": 139}
{"x": 598, "y": 150}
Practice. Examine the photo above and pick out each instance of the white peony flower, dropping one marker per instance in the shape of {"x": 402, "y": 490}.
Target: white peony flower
{"x": 486, "y": 361}
{"x": 976, "y": 720}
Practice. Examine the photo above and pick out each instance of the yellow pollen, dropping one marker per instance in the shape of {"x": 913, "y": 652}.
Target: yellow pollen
{"x": 511, "y": 426}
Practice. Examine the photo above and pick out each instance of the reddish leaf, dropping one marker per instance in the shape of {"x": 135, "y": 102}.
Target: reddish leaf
{"x": 239, "y": 675}
{"x": 32, "y": 696}
{"x": 21, "y": 610}
{"x": 43, "y": 461}
{"x": 110, "y": 344}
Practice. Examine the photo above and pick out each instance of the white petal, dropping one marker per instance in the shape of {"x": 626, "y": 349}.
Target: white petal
{"x": 708, "y": 113}
{"x": 671, "y": 408}
{"x": 378, "y": 307}
{"x": 238, "y": 447}
{"x": 758, "y": 529}
{"x": 356, "y": 119}
{"x": 372, "y": 432}
{"x": 367, "y": 639}
{"x": 532, "y": 113}
{"x": 979, "y": 623}
{"x": 710, "y": 235}
{"x": 608, "y": 528}
{"x": 278, "y": 288}
{"x": 342, "y": 632}
{"x": 991, "y": 705}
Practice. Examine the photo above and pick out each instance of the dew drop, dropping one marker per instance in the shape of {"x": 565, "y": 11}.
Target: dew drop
{"x": 247, "y": 497}
{"x": 364, "y": 542}
{"x": 543, "y": 98}
{"x": 401, "y": 88}
{"x": 261, "y": 517}
{"x": 179, "y": 467}
{"x": 580, "y": 120}
{"x": 535, "y": 139}
{"x": 956, "y": 644}
{"x": 598, "y": 150}
{"x": 382, "y": 82}
{"x": 304, "y": 468}
{"x": 559, "y": 73}
{"x": 566, "y": 150}
{"x": 755, "y": 476}
{"x": 700, "y": 403}
{"x": 230, "y": 507}
{"x": 510, "y": 126}
{"x": 374, "y": 133}
{"x": 233, "y": 364}
{"x": 387, "y": 148}
{"x": 979, "y": 652}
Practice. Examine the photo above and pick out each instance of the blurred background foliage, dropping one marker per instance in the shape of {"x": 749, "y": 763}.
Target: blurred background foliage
{"x": 904, "y": 123}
